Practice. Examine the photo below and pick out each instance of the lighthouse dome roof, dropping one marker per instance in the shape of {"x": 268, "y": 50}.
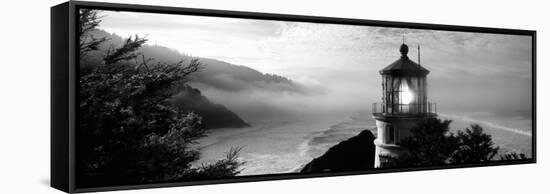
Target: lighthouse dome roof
{"x": 404, "y": 66}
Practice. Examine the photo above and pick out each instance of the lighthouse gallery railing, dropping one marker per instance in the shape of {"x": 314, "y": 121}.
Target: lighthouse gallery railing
{"x": 404, "y": 109}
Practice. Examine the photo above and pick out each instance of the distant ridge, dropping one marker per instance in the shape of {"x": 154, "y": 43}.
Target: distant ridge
{"x": 215, "y": 73}
{"x": 214, "y": 115}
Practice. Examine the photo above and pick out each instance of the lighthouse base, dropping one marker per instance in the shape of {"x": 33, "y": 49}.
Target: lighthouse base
{"x": 384, "y": 152}
{"x": 391, "y": 130}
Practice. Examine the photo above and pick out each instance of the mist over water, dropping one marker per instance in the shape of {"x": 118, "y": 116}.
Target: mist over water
{"x": 268, "y": 105}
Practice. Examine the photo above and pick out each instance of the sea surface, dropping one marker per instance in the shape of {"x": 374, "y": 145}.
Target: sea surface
{"x": 285, "y": 146}
{"x": 510, "y": 133}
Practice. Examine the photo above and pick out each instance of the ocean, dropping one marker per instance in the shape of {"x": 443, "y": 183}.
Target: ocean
{"x": 285, "y": 146}
{"x": 510, "y": 133}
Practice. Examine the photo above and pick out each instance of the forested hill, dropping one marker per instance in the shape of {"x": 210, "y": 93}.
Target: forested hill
{"x": 213, "y": 115}
{"x": 188, "y": 99}
{"x": 214, "y": 73}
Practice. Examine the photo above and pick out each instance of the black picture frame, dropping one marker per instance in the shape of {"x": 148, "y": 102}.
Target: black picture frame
{"x": 64, "y": 88}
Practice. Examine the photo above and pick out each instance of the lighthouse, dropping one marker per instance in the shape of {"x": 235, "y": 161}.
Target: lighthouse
{"x": 404, "y": 103}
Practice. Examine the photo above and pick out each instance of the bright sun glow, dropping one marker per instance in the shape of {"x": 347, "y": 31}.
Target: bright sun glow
{"x": 406, "y": 94}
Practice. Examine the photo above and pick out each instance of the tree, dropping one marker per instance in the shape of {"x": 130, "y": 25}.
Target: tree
{"x": 475, "y": 146}
{"x": 129, "y": 131}
{"x": 88, "y": 20}
{"x": 431, "y": 144}
{"x": 513, "y": 156}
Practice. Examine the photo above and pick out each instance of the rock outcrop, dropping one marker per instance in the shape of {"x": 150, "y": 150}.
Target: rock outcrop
{"x": 354, "y": 154}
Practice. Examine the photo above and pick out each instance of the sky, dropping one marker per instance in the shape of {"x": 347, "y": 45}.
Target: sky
{"x": 476, "y": 72}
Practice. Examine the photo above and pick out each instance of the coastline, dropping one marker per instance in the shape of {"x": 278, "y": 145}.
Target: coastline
{"x": 287, "y": 146}
{"x": 269, "y": 147}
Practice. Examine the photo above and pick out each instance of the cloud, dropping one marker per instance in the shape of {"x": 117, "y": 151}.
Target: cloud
{"x": 126, "y": 21}
{"x": 198, "y": 36}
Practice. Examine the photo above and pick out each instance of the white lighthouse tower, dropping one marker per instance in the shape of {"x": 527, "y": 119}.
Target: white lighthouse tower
{"x": 404, "y": 103}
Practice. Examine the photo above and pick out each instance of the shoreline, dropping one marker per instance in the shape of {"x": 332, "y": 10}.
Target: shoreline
{"x": 269, "y": 147}
{"x": 287, "y": 146}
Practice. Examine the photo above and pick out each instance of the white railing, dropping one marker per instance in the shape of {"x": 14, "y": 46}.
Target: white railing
{"x": 404, "y": 109}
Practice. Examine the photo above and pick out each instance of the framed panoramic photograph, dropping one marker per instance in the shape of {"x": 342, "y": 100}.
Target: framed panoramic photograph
{"x": 148, "y": 96}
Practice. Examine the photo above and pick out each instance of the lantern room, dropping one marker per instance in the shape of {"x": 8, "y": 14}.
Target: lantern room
{"x": 404, "y": 88}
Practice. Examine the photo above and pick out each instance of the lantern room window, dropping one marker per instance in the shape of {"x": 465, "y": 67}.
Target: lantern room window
{"x": 404, "y": 94}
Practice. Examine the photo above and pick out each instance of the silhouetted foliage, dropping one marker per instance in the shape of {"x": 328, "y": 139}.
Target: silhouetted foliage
{"x": 513, "y": 156}
{"x": 88, "y": 20}
{"x": 475, "y": 146}
{"x": 126, "y": 52}
{"x": 229, "y": 166}
{"x": 431, "y": 144}
{"x": 129, "y": 130}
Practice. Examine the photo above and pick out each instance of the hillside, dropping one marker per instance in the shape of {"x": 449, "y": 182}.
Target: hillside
{"x": 214, "y": 73}
{"x": 214, "y": 115}
{"x": 188, "y": 99}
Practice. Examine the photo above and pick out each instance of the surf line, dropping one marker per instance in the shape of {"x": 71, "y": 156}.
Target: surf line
{"x": 489, "y": 124}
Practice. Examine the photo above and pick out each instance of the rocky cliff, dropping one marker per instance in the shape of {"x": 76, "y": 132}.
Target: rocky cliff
{"x": 353, "y": 154}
